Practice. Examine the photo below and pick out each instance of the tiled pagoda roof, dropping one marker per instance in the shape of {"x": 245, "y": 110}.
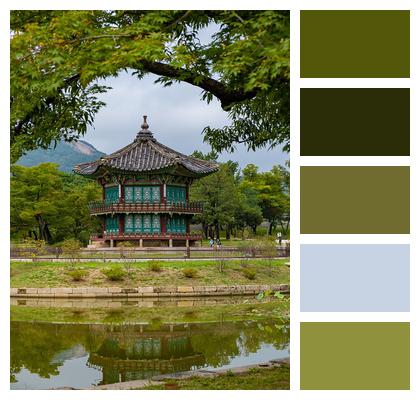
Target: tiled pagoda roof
{"x": 146, "y": 154}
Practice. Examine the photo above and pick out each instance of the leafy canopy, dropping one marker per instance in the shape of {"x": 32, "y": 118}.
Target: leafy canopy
{"x": 273, "y": 192}
{"x": 57, "y": 58}
{"x": 235, "y": 199}
{"x": 51, "y": 205}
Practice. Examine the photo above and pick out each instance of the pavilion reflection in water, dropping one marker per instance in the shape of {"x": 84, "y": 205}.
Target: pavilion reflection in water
{"x": 129, "y": 354}
{"x": 118, "y": 351}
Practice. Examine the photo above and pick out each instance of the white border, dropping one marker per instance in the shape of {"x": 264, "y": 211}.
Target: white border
{"x": 296, "y": 82}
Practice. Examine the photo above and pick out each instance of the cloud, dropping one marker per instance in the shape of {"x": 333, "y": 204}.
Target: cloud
{"x": 176, "y": 116}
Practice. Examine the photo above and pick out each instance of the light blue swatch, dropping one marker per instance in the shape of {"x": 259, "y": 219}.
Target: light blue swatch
{"x": 371, "y": 277}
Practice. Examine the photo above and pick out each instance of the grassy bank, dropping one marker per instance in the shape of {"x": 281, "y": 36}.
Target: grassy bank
{"x": 162, "y": 273}
{"x": 255, "y": 379}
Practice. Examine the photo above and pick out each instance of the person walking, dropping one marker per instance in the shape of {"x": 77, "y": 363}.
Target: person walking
{"x": 211, "y": 242}
{"x": 218, "y": 243}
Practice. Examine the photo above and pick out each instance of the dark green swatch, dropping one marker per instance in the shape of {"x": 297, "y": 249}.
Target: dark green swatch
{"x": 355, "y": 122}
{"x": 355, "y": 355}
{"x": 355, "y": 200}
{"x": 355, "y": 44}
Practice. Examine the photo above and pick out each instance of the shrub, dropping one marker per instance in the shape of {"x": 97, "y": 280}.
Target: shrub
{"x": 154, "y": 266}
{"x": 189, "y": 272}
{"x": 32, "y": 248}
{"x": 249, "y": 273}
{"x": 126, "y": 255}
{"x": 71, "y": 248}
{"x": 77, "y": 274}
{"x": 221, "y": 262}
{"x": 115, "y": 273}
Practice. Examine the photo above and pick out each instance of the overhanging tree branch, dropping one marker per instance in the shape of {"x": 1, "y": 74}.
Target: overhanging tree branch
{"x": 226, "y": 95}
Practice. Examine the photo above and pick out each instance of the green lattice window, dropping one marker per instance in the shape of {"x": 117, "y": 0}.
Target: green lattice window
{"x": 146, "y": 349}
{"x": 111, "y": 194}
{"x": 178, "y": 346}
{"x": 111, "y": 224}
{"x": 142, "y": 223}
{"x": 176, "y": 225}
{"x": 142, "y": 194}
{"x": 176, "y": 194}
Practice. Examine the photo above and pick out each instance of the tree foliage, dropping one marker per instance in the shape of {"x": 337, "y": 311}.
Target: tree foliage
{"x": 49, "y": 205}
{"x": 272, "y": 188}
{"x": 57, "y": 58}
{"x": 220, "y": 198}
{"x": 234, "y": 199}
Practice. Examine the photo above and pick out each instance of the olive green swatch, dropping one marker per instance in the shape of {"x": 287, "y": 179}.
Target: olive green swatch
{"x": 355, "y": 355}
{"x": 355, "y": 44}
{"x": 355, "y": 200}
{"x": 355, "y": 122}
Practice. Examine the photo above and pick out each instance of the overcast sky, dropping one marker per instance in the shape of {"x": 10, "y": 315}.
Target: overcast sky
{"x": 176, "y": 116}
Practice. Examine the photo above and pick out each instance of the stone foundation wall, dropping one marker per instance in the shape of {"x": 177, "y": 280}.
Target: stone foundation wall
{"x": 147, "y": 291}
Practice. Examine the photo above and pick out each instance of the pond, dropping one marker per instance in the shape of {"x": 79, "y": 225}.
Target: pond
{"x": 79, "y": 344}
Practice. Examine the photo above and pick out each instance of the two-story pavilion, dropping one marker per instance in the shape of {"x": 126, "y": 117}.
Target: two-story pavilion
{"x": 146, "y": 193}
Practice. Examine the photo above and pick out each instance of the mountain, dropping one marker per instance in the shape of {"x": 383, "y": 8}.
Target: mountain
{"x": 66, "y": 155}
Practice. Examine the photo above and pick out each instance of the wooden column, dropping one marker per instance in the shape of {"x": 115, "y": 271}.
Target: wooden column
{"x": 187, "y": 193}
{"x": 162, "y": 223}
{"x": 162, "y": 194}
{"x": 122, "y": 193}
{"x": 121, "y": 224}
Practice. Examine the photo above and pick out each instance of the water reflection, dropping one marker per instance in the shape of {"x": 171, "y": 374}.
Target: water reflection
{"x": 46, "y": 355}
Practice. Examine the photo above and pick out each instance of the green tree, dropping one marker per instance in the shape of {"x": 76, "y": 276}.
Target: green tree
{"x": 248, "y": 212}
{"x": 219, "y": 194}
{"x": 79, "y": 193}
{"x": 58, "y": 56}
{"x": 36, "y": 199}
{"x": 272, "y": 190}
{"x": 49, "y": 205}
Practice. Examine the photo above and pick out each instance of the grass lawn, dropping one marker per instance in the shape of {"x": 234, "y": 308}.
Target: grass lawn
{"x": 50, "y": 274}
{"x": 255, "y": 379}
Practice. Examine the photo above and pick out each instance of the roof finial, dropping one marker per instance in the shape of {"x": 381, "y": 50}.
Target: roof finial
{"x": 145, "y": 125}
{"x": 144, "y": 133}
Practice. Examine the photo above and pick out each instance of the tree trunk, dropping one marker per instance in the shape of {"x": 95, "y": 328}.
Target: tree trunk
{"x": 33, "y": 234}
{"x": 44, "y": 232}
{"x": 270, "y": 229}
{"x": 228, "y": 232}
{"x": 217, "y": 227}
{"x": 48, "y": 237}
{"x": 205, "y": 228}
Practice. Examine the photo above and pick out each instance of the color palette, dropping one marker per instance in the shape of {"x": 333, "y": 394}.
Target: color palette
{"x": 354, "y": 278}
{"x": 355, "y": 44}
{"x": 355, "y": 122}
{"x": 355, "y": 200}
{"x": 354, "y": 118}
{"x": 355, "y": 355}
